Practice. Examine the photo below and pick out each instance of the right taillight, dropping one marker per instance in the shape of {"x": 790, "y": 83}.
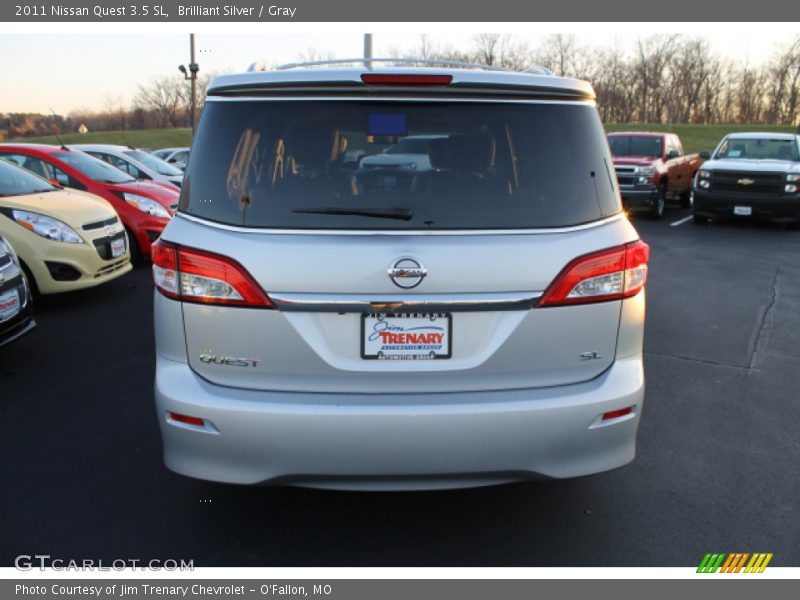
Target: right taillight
{"x": 610, "y": 274}
{"x": 192, "y": 275}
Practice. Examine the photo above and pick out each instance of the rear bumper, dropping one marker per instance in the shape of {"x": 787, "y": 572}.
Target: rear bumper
{"x": 414, "y": 441}
{"x": 716, "y": 205}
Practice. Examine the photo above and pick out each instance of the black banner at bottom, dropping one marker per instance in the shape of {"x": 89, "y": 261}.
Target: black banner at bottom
{"x": 729, "y": 587}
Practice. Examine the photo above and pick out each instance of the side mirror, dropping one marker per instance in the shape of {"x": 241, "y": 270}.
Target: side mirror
{"x": 56, "y": 182}
{"x": 705, "y": 154}
{"x": 673, "y": 154}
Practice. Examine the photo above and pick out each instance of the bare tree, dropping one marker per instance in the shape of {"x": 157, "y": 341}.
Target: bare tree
{"x": 651, "y": 66}
{"x": 166, "y": 96}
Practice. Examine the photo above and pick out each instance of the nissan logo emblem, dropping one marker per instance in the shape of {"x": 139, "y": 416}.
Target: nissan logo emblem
{"x": 407, "y": 273}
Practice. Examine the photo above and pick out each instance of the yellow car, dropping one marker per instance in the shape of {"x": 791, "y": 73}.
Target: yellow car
{"x": 65, "y": 239}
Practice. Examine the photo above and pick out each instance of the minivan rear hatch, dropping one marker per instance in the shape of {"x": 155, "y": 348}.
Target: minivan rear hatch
{"x": 417, "y": 274}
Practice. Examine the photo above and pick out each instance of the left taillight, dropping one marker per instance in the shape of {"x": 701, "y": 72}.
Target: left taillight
{"x": 192, "y": 275}
{"x": 611, "y": 274}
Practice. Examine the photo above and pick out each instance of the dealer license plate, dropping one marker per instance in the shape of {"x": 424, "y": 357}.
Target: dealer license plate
{"x": 412, "y": 336}
{"x": 744, "y": 211}
{"x": 117, "y": 247}
{"x": 9, "y": 304}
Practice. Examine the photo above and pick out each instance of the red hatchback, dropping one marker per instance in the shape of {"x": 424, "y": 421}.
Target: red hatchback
{"x": 144, "y": 207}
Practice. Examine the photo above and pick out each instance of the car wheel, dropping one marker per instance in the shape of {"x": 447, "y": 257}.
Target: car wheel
{"x": 657, "y": 210}
{"x": 136, "y": 253}
{"x": 687, "y": 198}
{"x": 700, "y": 219}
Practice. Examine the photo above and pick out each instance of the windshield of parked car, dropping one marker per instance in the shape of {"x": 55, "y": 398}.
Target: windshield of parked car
{"x": 16, "y": 181}
{"x": 758, "y": 149}
{"x": 159, "y": 166}
{"x": 635, "y": 145}
{"x": 92, "y": 167}
{"x": 489, "y": 165}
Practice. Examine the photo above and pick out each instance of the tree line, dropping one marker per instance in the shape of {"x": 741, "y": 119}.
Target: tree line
{"x": 662, "y": 78}
{"x": 163, "y": 102}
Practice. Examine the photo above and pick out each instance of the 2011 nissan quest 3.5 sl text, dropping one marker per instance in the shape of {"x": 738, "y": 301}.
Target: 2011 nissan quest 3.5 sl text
{"x": 468, "y": 319}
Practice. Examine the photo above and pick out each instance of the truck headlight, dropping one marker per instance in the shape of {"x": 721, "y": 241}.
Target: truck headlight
{"x": 646, "y": 172}
{"x": 146, "y": 205}
{"x": 47, "y": 227}
{"x": 793, "y": 177}
{"x": 790, "y": 188}
{"x": 703, "y": 174}
{"x": 704, "y": 183}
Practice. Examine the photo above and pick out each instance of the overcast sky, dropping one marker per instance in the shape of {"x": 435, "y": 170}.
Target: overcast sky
{"x": 68, "y": 71}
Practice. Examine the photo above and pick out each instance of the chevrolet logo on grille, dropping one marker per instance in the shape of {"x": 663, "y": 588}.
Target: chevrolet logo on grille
{"x": 746, "y": 181}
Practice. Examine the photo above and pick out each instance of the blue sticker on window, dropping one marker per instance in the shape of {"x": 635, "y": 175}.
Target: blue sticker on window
{"x": 388, "y": 124}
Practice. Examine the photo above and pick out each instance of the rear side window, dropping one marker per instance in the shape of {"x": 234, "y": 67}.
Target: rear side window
{"x": 399, "y": 165}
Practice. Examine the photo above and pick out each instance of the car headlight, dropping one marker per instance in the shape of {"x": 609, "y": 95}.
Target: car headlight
{"x": 793, "y": 177}
{"x": 47, "y": 227}
{"x": 146, "y": 205}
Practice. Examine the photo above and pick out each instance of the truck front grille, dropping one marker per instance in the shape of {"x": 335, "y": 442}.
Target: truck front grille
{"x": 626, "y": 175}
{"x": 744, "y": 182}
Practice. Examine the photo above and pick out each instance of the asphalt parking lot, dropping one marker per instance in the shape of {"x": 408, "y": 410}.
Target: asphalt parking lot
{"x": 717, "y": 465}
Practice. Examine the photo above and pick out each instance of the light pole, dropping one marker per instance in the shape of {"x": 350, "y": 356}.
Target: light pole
{"x": 368, "y": 50}
{"x": 191, "y": 75}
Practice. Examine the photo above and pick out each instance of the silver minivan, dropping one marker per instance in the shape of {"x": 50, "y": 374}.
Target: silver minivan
{"x": 472, "y": 319}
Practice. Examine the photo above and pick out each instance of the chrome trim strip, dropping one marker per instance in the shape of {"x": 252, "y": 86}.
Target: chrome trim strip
{"x": 363, "y": 97}
{"x": 360, "y": 303}
{"x": 407, "y": 232}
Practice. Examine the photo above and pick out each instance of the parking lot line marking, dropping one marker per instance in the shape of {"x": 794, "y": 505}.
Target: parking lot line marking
{"x": 681, "y": 221}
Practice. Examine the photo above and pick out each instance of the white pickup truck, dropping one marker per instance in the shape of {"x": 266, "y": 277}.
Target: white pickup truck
{"x": 750, "y": 175}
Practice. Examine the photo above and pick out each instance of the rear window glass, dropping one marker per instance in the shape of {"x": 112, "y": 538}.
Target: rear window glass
{"x": 398, "y": 165}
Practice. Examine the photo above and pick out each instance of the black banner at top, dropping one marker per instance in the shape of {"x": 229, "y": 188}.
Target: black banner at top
{"x": 237, "y": 11}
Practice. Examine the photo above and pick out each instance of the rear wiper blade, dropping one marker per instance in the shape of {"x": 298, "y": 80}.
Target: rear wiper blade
{"x": 401, "y": 214}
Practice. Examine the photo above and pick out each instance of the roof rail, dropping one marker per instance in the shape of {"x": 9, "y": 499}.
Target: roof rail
{"x": 367, "y": 62}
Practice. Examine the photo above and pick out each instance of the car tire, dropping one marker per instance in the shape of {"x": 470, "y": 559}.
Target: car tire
{"x": 657, "y": 211}
{"x": 687, "y": 198}
{"x": 133, "y": 245}
{"x": 699, "y": 219}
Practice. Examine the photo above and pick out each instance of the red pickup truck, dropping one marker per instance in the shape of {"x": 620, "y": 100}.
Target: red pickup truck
{"x": 651, "y": 169}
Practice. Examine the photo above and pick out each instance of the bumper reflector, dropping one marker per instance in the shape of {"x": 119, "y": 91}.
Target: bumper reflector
{"x": 187, "y": 419}
{"x": 615, "y": 414}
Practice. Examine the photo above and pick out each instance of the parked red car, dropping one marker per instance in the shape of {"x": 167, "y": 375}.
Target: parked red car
{"x": 144, "y": 207}
{"x": 651, "y": 169}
